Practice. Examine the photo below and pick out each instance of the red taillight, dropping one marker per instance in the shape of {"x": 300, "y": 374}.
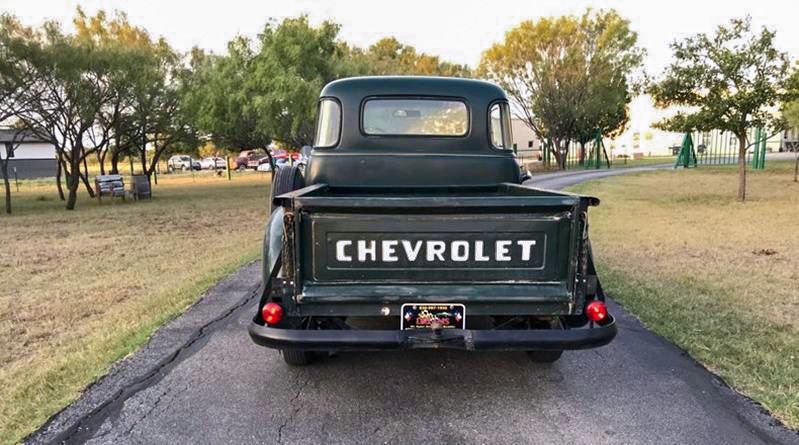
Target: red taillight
{"x": 596, "y": 311}
{"x": 272, "y": 313}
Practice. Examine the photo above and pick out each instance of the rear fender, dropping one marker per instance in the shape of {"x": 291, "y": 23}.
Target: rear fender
{"x": 273, "y": 241}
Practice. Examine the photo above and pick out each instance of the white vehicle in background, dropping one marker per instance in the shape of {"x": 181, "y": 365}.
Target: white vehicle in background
{"x": 213, "y": 163}
{"x": 265, "y": 167}
{"x": 182, "y": 162}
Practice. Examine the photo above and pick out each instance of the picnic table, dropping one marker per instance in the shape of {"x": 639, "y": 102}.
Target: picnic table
{"x": 109, "y": 185}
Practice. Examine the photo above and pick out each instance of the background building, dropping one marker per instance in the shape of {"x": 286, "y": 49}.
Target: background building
{"x": 525, "y": 143}
{"x": 32, "y": 158}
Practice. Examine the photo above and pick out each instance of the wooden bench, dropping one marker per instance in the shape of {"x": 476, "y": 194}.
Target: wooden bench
{"x": 109, "y": 185}
{"x": 140, "y": 187}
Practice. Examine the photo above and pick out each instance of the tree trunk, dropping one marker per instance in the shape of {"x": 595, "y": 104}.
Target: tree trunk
{"x": 742, "y": 168}
{"x": 89, "y": 189}
{"x": 60, "y": 188}
{"x": 101, "y": 154}
{"x": 144, "y": 169}
{"x": 73, "y": 182}
{"x": 115, "y": 161}
{"x": 582, "y": 154}
{"x": 6, "y": 183}
{"x": 85, "y": 175}
{"x": 554, "y": 150}
{"x": 796, "y": 167}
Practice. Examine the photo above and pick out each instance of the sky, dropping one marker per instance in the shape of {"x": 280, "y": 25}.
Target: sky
{"x": 458, "y": 31}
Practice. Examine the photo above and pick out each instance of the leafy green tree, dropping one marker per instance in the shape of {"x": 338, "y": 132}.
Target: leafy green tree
{"x": 611, "y": 56}
{"x": 537, "y": 66}
{"x": 145, "y": 115}
{"x": 131, "y": 46}
{"x": 72, "y": 87}
{"x": 260, "y": 93}
{"x": 294, "y": 62}
{"x": 217, "y": 97}
{"x": 17, "y": 78}
{"x": 730, "y": 81}
{"x": 568, "y": 76}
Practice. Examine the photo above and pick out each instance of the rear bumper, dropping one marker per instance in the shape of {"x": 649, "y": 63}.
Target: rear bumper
{"x": 497, "y": 340}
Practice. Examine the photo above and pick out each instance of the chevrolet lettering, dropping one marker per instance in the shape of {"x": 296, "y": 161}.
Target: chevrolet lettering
{"x": 433, "y": 252}
{"x": 413, "y": 226}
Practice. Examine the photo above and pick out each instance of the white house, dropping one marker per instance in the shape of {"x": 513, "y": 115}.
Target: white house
{"x": 32, "y": 157}
{"x": 525, "y": 143}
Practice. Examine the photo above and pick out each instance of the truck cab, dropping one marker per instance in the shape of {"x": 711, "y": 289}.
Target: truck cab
{"x": 410, "y": 227}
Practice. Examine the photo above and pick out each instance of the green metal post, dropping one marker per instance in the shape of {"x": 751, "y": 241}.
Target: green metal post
{"x": 687, "y": 155}
{"x": 762, "y": 163}
{"x": 756, "y": 151}
{"x": 227, "y": 159}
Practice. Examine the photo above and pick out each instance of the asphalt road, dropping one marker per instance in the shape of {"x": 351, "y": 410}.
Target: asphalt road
{"x": 201, "y": 380}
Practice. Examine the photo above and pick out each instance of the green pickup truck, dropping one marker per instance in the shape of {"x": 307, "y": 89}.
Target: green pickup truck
{"x": 410, "y": 228}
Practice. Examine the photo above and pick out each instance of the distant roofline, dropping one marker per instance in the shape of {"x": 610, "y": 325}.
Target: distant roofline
{"x": 7, "y": 135}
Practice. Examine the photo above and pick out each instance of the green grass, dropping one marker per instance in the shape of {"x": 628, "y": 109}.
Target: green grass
{"x": 83, "y": 289}
{"x": 716, "y": 277}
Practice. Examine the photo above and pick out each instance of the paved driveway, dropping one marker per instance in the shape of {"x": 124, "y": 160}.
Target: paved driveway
{"x": 201, "y": 380}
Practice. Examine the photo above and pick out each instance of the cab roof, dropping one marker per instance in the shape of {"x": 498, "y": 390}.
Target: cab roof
{"x": 360, "y": 159}
{"x": 359, "y": 87}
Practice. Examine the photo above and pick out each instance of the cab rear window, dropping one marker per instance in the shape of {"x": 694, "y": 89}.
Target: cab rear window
{"x": 415, "y": 117}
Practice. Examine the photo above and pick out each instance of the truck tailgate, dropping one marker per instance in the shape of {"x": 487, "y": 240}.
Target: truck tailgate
{"x": 506, "y": 243}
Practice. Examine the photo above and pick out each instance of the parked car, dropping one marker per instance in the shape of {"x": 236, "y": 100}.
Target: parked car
{"x": 182, "y": 162}
{"x": 213, "y": 163}
{"x": 257, "y": 160}
{"x": 279, "y": 163}
{"x": 412, "y": 229}
{"x": 245, "y": 156}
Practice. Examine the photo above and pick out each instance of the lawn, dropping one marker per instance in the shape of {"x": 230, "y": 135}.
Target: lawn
{"x": 717, "y": 277}
{"x": 82, "y": 289}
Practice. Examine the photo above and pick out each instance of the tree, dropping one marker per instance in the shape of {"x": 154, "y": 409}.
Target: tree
{"x": 388, "y": 56}
{"x": 17, "y": 77}
{"x": 294, "y": 62}
{"x": 217, "y": 97}
{"x": 567, "y": 76}
{"x": 611, "y": 57}
{"x": 145, "y": 114}
{"x": 730, "y": 81}
{"x": 267, "y": 91}
{"x": 131, "y": 45}
{"x": 791, "y": 114}
{"x": 72, "y": 87}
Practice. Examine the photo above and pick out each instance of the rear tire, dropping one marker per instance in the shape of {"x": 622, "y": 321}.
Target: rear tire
{"x": 297, "y": 358}
{"x": 285, "y": 180}
{"x": 544, "y": 356}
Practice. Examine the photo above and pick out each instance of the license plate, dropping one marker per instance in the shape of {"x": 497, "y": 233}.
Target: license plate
{"x": 433, "y": 316}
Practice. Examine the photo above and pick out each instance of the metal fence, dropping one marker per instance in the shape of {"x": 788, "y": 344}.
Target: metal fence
{"x": 709, "y": 148}
{"x": 721, "y": 148}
